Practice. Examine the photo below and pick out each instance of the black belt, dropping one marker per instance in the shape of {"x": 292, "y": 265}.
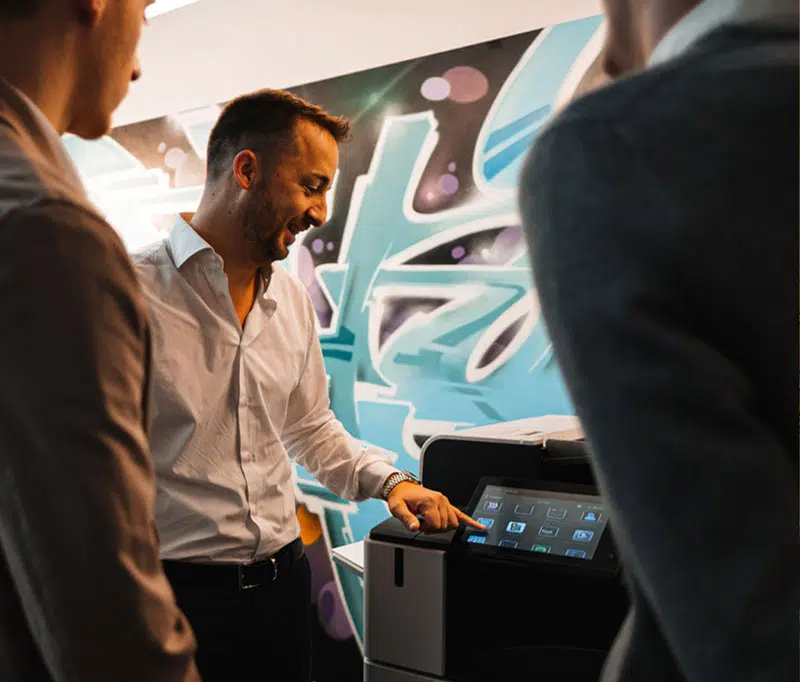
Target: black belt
{"x": 235, "y": 577}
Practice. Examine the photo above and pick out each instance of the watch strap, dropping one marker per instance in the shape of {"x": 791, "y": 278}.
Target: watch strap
{"x": 394, "y": 479}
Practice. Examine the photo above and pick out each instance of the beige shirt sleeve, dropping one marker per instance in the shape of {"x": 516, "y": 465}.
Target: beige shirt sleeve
{"x": 77, "y": 491}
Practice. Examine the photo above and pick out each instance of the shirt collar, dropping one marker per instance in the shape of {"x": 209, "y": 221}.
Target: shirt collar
{"x": 23, "y": 115}
{"x": 711, "y": 14}
{"x": 184, "y": 242}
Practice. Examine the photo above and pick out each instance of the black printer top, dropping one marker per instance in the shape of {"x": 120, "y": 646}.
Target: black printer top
{"x": 392, "y": 530}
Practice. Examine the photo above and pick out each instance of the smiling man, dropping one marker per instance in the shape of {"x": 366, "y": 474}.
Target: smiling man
{"x": 241, "y": 389}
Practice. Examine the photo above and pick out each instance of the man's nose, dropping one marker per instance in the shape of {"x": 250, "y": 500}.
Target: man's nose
{"x": 317, "y": 215}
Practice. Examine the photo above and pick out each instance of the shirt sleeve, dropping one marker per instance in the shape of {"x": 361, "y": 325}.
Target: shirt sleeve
{"x": 318, "y": 441}
{"x": 77, "y": 492}
{"x": 700, "y": 488}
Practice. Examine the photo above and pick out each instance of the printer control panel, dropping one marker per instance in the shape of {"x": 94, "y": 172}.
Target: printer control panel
{"x": 547, "y": 522}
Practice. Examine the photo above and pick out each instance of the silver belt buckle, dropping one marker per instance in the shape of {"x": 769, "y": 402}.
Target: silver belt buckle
{"x": 240, "y": 574}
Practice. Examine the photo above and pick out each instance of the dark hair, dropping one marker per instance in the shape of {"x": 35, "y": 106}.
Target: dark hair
{"x": 19, "y": 9}
{"x": 262, "y": 121}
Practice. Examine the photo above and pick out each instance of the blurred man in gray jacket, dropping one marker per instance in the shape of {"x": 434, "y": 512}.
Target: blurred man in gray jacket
{"x": 662, "y": 212}
{"x": 82, "y": 593}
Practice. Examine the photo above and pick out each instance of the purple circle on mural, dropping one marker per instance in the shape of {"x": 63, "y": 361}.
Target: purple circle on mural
{"x": 448, "y": 183}
{"x": 435, "y": 89}
{"x": 321, "y": 570}
{"x": 451, "y": 166}
{"x": 458, "y": 252}
{"x": 318, "y": 246}
{"x": 330, "y": 246}
{"x": 467, "y": 84}
{"x": 332, "y": 614}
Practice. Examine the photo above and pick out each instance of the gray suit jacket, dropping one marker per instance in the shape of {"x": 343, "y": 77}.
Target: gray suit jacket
{"x": 82, "y": 594}
{"x": 662, "y": 214}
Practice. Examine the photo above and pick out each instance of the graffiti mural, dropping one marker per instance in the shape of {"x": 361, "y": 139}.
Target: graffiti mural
{"x": 420, "y": 278}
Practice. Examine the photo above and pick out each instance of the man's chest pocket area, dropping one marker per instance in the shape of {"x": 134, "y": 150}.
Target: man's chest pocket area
{"x": 192, "y": 367}
{"x": 276, "y": 361}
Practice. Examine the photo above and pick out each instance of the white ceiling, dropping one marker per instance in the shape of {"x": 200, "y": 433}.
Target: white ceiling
{"x": 164, "y": 6}
{"x": 213, "y": 50}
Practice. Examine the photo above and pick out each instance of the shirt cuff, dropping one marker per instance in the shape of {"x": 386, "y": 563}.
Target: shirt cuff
{"x": 373, "y": 476}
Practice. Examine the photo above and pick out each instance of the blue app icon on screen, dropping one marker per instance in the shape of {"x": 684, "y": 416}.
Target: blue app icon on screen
{"x": 583, "y": 535}
{"x": 515, "y": 527}
{"x": 486, "y": 522}
{"x": 493, "y": 505}
{"x": 477, "y": 539}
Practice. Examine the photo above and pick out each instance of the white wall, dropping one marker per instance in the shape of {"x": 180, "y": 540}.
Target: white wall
{"x": 216, "y": 49}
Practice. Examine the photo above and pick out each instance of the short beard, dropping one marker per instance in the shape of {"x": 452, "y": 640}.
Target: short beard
{"x": 264, "y": 246}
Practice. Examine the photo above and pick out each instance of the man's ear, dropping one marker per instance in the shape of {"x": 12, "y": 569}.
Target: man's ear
{"x": 245, "y": 169}
{"x": 90, "y": 11}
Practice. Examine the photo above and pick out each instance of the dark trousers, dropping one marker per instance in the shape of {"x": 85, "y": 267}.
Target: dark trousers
{"x": 261, "y": 634}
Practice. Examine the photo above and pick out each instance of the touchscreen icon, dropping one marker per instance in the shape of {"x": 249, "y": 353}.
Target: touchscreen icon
{"x": 542, "y": 549}
{"x": 583, "y": 535}
{"x": 477, "y": 539}
{"x": 515, "y": 527}
{"x": 558, "y": 513}
{"x": 577, "y": 553}
{"x": 486, "y": 522}
{"x": 524, "y": 509}
{"x": 548, "y": 531}
{"x": 493, "y": 505}
{"x": 590, "y": 516}
{"x": 508, "y": 543}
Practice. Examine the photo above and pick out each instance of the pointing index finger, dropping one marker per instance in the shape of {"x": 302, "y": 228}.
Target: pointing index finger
{"x": 469, "y": 520}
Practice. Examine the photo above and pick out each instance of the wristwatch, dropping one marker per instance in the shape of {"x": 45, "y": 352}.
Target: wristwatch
{"x": 397, "y": 477}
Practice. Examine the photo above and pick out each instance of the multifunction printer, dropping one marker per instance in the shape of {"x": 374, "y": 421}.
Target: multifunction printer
{"x": 537, "y": 595}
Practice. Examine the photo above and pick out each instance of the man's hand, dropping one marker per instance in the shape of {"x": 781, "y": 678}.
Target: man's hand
{"x": 409, "y": 499}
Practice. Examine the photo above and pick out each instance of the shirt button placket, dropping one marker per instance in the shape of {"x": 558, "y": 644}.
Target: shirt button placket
{"x": 244, "y": 402}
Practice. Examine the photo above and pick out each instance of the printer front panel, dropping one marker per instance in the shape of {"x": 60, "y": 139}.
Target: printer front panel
{"x": 404, "y": 602}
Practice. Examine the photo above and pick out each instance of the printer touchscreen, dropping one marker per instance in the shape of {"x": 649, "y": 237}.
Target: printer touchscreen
{"x": 556, "y": 523}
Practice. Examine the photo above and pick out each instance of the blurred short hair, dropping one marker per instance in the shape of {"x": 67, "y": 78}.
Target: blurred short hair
{"x": 264, "y": 121}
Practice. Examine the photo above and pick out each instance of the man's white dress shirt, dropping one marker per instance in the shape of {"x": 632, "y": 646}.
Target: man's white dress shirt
{"x": 232, "y": 406}
{"x": 711, "y": 14}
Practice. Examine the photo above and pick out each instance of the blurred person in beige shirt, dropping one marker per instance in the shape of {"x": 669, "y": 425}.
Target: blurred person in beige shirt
{"x": 82, "y": 592}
